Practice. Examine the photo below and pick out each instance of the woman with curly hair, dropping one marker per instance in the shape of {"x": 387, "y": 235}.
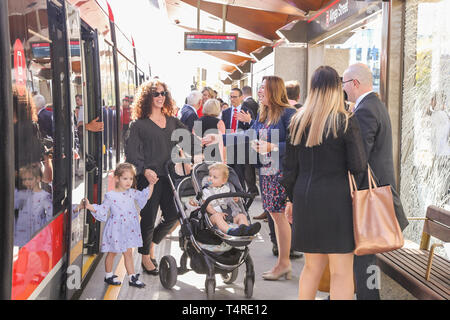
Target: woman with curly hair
{"x": 149, "y": 147}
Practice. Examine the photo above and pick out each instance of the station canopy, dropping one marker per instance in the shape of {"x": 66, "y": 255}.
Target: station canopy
{"x": 255, "y": 21}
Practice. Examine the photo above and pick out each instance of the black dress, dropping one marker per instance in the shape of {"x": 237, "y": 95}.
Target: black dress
{"x": 208, "y": 123}
{"x": 316, "y": 181}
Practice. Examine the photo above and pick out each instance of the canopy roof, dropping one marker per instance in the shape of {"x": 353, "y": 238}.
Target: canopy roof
{"x": 256, "y": 22}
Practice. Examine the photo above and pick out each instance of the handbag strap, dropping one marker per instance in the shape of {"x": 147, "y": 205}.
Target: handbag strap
{"x": 353, "y": 185}
{"x": 372, "y": 183}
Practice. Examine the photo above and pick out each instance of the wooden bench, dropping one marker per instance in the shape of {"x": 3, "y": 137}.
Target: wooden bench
{"x": 421, "y": 272}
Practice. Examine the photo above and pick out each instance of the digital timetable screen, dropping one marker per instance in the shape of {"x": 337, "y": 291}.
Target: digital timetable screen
{"x": 210, "y": 41}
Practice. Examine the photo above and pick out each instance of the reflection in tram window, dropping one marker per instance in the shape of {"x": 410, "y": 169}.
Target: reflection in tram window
{"x": 32, "y": 203}
{"x": 360, "y": 44}
{"x": 108, "y": 98}
{"x": 34, "y": 127}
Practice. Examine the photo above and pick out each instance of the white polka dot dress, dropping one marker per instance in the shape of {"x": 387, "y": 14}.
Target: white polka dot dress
{"x": 122, "y": 229}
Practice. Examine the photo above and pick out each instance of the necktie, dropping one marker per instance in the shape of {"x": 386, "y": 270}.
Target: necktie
{"x": 234, "y": 121}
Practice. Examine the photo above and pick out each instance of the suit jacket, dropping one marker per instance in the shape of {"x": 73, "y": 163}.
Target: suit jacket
{"x": 376, "y": 131}
{"x": 252, "y": 105}
{"x": 45, "y": 121}
{"x": 188, "y": 116}
{"x": 226, "y": 118}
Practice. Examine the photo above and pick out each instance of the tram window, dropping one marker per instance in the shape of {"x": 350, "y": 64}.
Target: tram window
{"x": 127, "y": 91}
{"x": 108, "y": 98}
{"x": 33, "y": 124}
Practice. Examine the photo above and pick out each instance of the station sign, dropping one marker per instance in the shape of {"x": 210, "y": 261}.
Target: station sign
{"x": 194, "y": 41}
{"x": 338, "y": 13}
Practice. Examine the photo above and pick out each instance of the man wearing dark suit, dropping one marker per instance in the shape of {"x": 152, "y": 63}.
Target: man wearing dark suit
{"x": 189, "y": 110}
{"x": 249, "y": 170}
{"x": 232, "y": 124}
{"x": 249, "y": 102}
{"x": 376, "y": 131}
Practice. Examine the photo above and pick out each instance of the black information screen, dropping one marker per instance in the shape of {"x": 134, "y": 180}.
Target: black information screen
{"x": 210, "y": 42}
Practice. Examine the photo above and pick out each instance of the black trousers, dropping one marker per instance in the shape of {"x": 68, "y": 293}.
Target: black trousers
{"x": 364, "y": 274}
{"x": 162, "y": 197}
{"x": 250, "y": 178}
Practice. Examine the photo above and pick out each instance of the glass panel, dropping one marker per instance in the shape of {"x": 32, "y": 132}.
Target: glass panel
{"x": 425, "y": 162}
{"x": 108, "y": 101}
{"x": 79, "y": 191}
{"x": 359, "y": 44}
{"x": 127, "y": 90}
{"x": 33, "y": 134}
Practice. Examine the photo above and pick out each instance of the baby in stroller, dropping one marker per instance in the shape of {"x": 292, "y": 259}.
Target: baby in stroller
{"x": 217, "y": 184}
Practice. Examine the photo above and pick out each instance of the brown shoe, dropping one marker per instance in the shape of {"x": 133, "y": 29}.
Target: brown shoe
{"x": 261, "y": 216}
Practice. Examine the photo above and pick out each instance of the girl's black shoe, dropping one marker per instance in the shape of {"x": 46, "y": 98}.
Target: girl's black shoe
{"x": 111, "y": 280}
{"x": 153, "y": 272}
{"x": 155, "y": 263}
{"x": 134, "y": 282}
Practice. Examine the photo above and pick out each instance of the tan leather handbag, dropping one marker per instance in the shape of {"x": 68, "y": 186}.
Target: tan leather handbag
{"x": 375, "y": 226}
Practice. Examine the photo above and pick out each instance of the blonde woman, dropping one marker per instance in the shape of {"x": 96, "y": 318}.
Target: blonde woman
{"x": 210, "y": 122}
{"x": 273, "y": 121}
{"x": 324, "y": 144}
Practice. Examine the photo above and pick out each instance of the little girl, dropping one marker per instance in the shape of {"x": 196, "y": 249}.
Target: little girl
{"x": 33, "y": 203}
{"x": 35, "y": 210}
{"x": 122, "y": 231}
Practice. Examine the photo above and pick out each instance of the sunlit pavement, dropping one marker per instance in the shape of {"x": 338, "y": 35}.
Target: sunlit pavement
{"x": 191, "y": 285}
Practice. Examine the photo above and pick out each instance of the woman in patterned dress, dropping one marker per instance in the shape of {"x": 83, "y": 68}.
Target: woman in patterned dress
{"x": 271, "y": 127}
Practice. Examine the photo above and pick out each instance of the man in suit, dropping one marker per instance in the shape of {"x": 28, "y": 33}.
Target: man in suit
{"x": 249, "y": 102}
{"x": 376, "y": 131}
{"x": 229, "y": 117}
{"x": 189, "y": 110}
{"x": 249, "y": 170}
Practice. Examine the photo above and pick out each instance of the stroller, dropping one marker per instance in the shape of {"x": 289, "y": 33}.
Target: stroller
{"x": 209, "y": 250}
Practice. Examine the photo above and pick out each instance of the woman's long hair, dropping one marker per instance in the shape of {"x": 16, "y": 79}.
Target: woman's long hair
{"x": 275, "y": 90}
{"x": 142, "y": 105}
{"x": 323, "y": 110}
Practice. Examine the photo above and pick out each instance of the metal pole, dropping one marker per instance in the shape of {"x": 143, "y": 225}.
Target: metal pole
{"x": 224, "y": 16}
{"x": 6, "y": 158}
{"x": 198, "y": 15}
{"x": 117, "y": 89}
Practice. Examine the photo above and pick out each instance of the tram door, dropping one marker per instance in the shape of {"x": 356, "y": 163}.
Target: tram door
{"x": 94, "y": 142}
{"x": 79, "y": 142}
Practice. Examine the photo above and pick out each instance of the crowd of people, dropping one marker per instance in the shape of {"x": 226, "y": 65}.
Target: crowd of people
{"x": 303, "y": 155}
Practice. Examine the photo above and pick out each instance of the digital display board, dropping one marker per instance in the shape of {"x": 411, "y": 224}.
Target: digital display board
{"x": 42, "y": 49}
{"x": 210, "y": 41}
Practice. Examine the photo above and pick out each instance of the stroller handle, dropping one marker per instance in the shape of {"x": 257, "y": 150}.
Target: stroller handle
{"x": 226, "y": 195}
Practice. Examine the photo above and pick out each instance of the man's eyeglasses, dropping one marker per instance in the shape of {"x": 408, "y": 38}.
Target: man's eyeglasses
{"x": 156, "y": 94}
{"x": 234, "y": 97}
{"x": 343, "y": 82}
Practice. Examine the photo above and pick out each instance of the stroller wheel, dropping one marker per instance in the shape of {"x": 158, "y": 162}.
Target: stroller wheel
{"x": 210, "y": 287}
{"x": 248, "y": 287}
{"x": 168, "y": 272}
{"x": 230, "y": 277}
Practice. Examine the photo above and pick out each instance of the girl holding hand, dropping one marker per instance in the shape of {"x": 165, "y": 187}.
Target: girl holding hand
{"x": 122, "y": 231}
